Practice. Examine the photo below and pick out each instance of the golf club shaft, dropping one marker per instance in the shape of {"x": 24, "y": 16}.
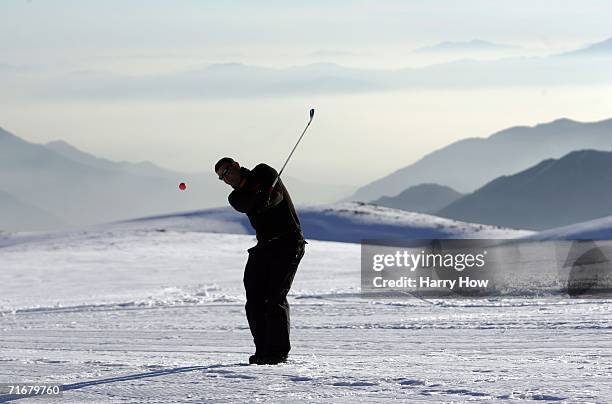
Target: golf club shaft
{"x": 294, "y": 147}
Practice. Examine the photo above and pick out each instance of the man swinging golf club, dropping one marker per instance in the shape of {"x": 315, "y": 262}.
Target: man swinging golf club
{"x": 273, "y": 262}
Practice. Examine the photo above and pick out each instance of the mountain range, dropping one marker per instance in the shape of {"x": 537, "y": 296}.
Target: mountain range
{"x": 57, "y": 185}
{"x": 469, "y": 163}
{"x": 19, "y": 215}
{"x": 81, "y": 193}
{"x": 553, "y": 193}
{"x": 598, "y": 49}
{"x": 228, "y": 80}
{"x": 475, "y": 45}
{"x": 422, "y": 198}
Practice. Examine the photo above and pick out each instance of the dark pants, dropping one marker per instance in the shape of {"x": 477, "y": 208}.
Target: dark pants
{"x": 268, "y": 277}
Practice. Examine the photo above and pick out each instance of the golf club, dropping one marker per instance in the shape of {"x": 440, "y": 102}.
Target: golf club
{"x": 312, "y": 111}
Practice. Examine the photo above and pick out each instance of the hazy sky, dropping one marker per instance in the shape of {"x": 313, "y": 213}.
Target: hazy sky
{"x": 82, "y": 32}
{"x": 357, "y": 136}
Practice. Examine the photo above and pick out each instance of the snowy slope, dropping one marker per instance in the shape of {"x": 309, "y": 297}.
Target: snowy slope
{"x": 347, "y": 222}
{"x": 598, "y": 229}
{"x": 118, "y": 314}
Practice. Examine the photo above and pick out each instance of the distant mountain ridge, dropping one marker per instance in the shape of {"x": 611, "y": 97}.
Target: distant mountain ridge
{"x": 603, "y": 48}
{"x": 475, "y": 45}
{"x": 303, "y": 191}
{"x": 16, "y": 215}
{"x": 227, "y": 80}
{"x": 79, "y": 193}
{"x": 469, "y": 163}
{"x": 79, "y": 188}
{"x": 422, "y": 198}
{"x": 553, "y": 193}
{"x": 145, "y": 168}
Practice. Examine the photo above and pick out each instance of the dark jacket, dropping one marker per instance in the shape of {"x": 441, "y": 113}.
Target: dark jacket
{"x": 270, "y": 212}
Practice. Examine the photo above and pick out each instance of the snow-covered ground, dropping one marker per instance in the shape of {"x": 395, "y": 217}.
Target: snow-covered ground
{"x": 128, "y": 313}
{"x": 597, "y": 229}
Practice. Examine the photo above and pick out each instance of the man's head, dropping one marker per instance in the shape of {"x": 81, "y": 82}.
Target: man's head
{"x": 228, "y": 171}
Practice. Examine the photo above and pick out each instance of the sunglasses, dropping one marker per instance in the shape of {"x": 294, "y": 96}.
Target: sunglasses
{"x": 224, "y": 173}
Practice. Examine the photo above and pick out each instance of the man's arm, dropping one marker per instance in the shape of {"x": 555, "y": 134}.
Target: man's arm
{"x": 240, "y": 201}
{"x": 260, "y": 197}
{"x": 269, "y": 197}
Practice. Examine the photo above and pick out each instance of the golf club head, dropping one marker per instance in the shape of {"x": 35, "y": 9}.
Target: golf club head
{"x": 311, "y": 113}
